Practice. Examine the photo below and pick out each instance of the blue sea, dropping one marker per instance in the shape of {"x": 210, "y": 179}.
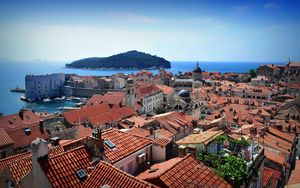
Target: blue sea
{"x": 13, "y": 74}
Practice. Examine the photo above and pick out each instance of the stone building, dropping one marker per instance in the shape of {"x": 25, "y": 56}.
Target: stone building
{"x": 43, "y": 86}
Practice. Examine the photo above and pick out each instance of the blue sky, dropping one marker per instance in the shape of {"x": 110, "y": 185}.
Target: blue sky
{"x": 244, "y": 30}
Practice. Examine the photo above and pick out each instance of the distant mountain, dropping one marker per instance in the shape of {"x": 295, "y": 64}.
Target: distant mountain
{"x": 128, "y": 60}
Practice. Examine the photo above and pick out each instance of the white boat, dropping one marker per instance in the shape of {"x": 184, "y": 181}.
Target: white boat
{"x": 79, "y": 104}
{"x": 65, "y": 109}
{"x": 46, "y": 100}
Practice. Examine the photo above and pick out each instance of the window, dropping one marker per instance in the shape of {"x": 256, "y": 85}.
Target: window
{"x": 81, "y": 174}
{"x": 110, "y": 144}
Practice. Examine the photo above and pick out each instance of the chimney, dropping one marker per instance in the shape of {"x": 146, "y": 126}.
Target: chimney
{"x": 182, "y": 151}
{"x": 97, "y": 133}
{"x": 193, "y": 149}
{"x": 55, "y": 141}
{"x": 21, "y": 114}
{"x": 95, "y": 143}
{"x": 39, "y": 151}
{"x": 41, "y": 125}
{"x": 151, "y": 130}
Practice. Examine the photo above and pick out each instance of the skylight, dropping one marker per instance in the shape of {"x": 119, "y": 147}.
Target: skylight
{"x": 27, "y": 131}
{"x": 110, "y": 144}
{"x": 81, "y": 174}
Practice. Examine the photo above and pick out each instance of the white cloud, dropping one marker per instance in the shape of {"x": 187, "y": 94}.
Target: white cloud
{"x": 272, "y": 5}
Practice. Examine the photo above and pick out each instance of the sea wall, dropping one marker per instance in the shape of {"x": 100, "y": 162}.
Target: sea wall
{"x": 83, "y": 92}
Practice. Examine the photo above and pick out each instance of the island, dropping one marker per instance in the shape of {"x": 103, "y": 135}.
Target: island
{"x": 128, "y": 60}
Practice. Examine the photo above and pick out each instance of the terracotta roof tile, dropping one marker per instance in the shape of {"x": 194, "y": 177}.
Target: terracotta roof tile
{"x": 106, "y": 174}
{"x": 126, "y": 144}
{"x": 20, "y": 168}
{"x": 82, "y": 114}
{"x": 183, "y": 172}
{"x": 276, "y": 173}
{"x": 61, "y": 169}
{"x": 162, "y": 141}
{"x": 274, "y": 157}
{"x": 165, "y": 89}
{"x": 21, "y": 139}
{"x": 21, "y": 164}
{"x": 140, "y": 132}
{"x": 144, "y": 90}
{"x": 109, "y": 98}
{"x": 267, "y": 175}
{"x": 13, "y": 158}
{"x": 112, "y": 115}
{"x": 15, "y": 120}
{"x": 285, "y": 136}
{"x": 5, "y": 140}
{"x": 165, "y": 133}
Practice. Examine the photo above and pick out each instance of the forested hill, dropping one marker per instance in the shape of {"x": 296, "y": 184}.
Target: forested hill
{"x": 128, "y": 60}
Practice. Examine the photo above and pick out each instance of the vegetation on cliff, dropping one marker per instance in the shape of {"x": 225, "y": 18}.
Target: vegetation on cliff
{"x": 128, "y": 60}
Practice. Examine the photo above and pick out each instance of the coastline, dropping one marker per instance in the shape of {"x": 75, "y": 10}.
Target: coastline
{"x": 117, "y": 69}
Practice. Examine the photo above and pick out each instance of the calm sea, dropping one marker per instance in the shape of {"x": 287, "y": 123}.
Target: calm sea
{"x": 13, "y": 74}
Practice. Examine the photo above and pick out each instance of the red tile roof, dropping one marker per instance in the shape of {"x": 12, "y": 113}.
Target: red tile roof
{"x": 61, "y": 169}
{"x": 126, "y": 144}
{"x": 183, "y": 172}
{"x": 106, "y": 174}
{"x": 83, "y": 132}
{"x": 140, "y": 132}
{"x": 113, "y": 115}
{"x": 165, "y": 133}
{"x": 165, "y": 89}
{"x": 162, "y": 141}
{"x": 82, "y": 114}
{"x": 109, "y": 98}
{"x": 274, "y": 157}
{"x": 276, "y": 173}
{"x": 21, "y": 164}
{"x": 13, "y": 158}
{"x": 20, "y": 168}
{"x": 5, "y": 140}
{"x": 280, "y": 134}
{"x": 174, "y": 122}
{"x": 21, "y": 139}
{"x": 98, "y": 114}
{"x": 267, "y": 175}
{"x": 15, "y": 120}
{"x": 145, "y": 90}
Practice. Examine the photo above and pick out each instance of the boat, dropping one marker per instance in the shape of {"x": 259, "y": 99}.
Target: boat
{"x": 46, "y": 100}
{"x": 23, "y": 98}
{"x": 17, "y": 90}
{"x": 79, "y": 104}
{"x": 65, "y": 109}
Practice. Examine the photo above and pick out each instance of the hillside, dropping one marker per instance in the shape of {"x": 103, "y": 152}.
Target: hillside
{"x": 128, "y": 60}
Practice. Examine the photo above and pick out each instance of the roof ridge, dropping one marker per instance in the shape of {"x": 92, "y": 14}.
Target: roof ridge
{"x": 69, "y": 151}
{"x": 182, "y": 159}
{"x": 28, "y": 152}
{"x": 121, "y": 171}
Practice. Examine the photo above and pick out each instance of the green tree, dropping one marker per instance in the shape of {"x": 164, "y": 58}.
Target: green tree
{"x": 233, "y": 169}
{"x": 252, "y": 72}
